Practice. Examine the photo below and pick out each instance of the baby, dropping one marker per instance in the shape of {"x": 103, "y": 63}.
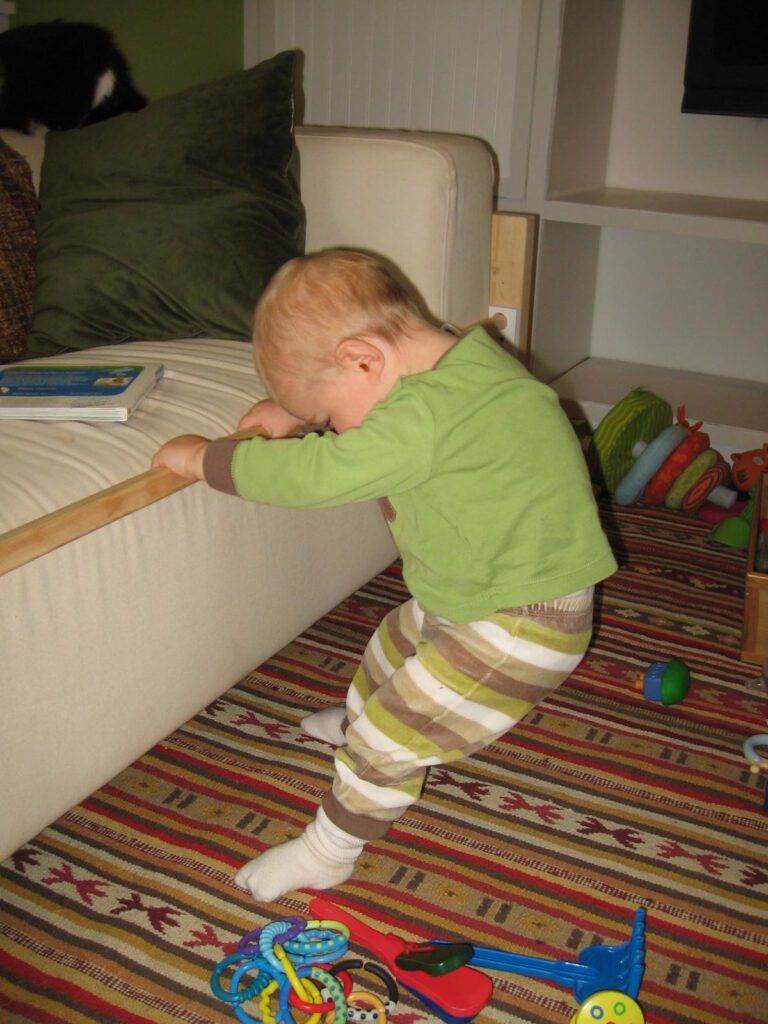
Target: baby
{"x": 486, "y": 492}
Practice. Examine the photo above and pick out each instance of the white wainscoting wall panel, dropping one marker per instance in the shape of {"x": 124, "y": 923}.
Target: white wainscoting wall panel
{"x": 462, "y": 66}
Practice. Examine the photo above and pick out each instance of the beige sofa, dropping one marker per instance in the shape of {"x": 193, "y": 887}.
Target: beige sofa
{"x": 111, "y": 641}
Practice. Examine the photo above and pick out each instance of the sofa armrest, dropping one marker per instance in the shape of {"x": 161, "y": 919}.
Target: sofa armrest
{"x": 422, "y": 199}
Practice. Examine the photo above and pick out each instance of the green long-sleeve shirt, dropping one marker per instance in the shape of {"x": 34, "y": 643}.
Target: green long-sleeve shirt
{"x": 490, "y": 502}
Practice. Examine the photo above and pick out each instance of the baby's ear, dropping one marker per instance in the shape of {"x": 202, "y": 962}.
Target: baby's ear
{"x": 359, "y": 354}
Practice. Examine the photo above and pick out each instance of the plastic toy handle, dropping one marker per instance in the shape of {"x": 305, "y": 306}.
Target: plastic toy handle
{"x": 636, "y": 954}
{"x": 564, "y": 972}
{"x": 598, "y": 967}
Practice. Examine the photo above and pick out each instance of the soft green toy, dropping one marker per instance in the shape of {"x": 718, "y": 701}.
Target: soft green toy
{"x": 734, "y": 532}
{"x": 639, "y": 416}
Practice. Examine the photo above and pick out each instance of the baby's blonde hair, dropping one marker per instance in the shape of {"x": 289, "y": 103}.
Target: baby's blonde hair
{"x": 314, "y": 302}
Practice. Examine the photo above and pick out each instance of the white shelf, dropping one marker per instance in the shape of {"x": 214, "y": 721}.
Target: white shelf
{"x": 735, "y": 412}
{"x": 735, "y": 220}
{"x": 654, "y": 224}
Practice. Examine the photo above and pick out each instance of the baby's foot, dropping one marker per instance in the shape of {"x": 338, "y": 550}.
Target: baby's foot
{"x": 288, "y": 867}
{"x": 326, "y": 725}
{"x": 322, "y": 856}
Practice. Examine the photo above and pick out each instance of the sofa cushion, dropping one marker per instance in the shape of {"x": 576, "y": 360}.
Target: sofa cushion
{"x": 168, "y": 223}
{"x": 18, "y": 206}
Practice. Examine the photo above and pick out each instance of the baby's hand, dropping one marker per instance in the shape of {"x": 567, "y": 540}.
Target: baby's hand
{"x": 272, "y": 418}
{"x": 183, "y": 456}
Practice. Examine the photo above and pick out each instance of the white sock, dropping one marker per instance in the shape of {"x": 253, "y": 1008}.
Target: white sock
{"x": 322, "y": 856}
{"x": 326, "y": 725}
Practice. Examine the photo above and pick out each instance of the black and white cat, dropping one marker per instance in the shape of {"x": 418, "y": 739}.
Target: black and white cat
{"x": 62, "y": 74}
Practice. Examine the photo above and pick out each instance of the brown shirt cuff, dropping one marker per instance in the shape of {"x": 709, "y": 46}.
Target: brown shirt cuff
{"x": 217, "y": 465}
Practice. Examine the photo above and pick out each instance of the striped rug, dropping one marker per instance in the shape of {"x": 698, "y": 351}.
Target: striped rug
{"x": 599, "y": 803}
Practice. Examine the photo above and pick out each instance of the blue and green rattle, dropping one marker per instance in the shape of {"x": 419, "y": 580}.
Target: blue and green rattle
{"x": 665, "y": 681}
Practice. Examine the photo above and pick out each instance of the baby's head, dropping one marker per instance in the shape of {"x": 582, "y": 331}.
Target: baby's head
{"x": 316, "y": 302}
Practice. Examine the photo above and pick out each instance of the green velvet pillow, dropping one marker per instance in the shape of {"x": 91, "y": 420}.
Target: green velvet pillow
{"x": 168, "y": 223}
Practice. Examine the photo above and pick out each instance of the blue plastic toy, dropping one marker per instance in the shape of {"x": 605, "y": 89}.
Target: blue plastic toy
{"x": 665, "y": 681}
{"x": 598, "y": 968}
{"x": 757, "y": 761}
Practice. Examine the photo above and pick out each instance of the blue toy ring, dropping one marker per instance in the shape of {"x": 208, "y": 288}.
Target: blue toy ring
{"x": 234, "y": 995}
{"x": 267, "y": 939}
{"x": 652, "y": 458}
{"x": 250, "y": 942}
{"x": 318, "y": 944}
{"x": 756, "y": 761}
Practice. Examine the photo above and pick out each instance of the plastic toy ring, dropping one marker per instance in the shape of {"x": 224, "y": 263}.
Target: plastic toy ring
{"x": 328, "y": 1007}
{"x": 317, "y": 974}
{"x": 284, "y": 1014}
{"x": 756, "y": 760}
{"x": 234, "y": 994}
{"x": 393, "y": 993}
{"x": 314, "y": 992}
{"x": 335, "y": 991}
{"x": 369, "y": 999}
{"x": 290, "y": 972}
{"x": 267, "y": 940}
{"x": 250, "y": 942}
{"x": 322, "y": 940}
{"x": 265, "y": 1003}
{"x": 255, "y": 990}
{"x": 331, "y": 926}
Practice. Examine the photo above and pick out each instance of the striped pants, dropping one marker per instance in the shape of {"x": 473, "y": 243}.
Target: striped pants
{"x": 429, "y": 691}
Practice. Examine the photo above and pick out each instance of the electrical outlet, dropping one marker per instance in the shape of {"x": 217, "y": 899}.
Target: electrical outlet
{"x": 509, "y": 332}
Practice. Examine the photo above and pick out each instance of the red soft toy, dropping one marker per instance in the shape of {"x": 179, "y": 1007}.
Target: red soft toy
{"x": 747, "y": 467}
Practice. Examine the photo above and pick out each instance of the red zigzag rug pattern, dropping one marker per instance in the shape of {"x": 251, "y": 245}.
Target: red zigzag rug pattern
{"x": 599, "y": 803}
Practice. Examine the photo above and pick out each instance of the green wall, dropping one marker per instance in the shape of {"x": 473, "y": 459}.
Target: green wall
{"x": 169, "y": 44}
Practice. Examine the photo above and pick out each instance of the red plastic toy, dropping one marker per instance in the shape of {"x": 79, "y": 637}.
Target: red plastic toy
{"x": 456, "y": 997}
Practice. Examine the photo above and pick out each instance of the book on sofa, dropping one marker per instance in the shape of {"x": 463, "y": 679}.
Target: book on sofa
{"x": 75, "y": 392}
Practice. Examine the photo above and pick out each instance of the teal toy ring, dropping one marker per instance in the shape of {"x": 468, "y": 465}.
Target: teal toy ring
{"x": 651, "y": 458}
{"x": 250, "y": 942}
{"x": 326, "y": 941}
{"x": 328, "y": 981}
{"x": 267, "y": 940}
{"x": 234, "y": 994}
{"x": 756, "y": 761}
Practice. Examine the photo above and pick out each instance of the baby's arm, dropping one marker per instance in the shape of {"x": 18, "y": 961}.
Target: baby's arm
{"x": 184, "y": 455}
{"x": 272, "y": 418}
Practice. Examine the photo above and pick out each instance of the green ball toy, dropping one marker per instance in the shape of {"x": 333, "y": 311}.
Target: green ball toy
{"x": 665, "y": 681}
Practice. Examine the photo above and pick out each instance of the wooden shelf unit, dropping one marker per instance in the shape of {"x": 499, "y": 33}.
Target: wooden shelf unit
{"x": 614, "y": 167}
{"x": 754, "y": 643}
{"x": 716, "y": 217}
{"x": 734, "y": 411}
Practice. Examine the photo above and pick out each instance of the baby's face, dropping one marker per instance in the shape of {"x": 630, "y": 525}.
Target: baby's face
{"x": 341, "y": 398}
{"x": 348, "y": 402}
